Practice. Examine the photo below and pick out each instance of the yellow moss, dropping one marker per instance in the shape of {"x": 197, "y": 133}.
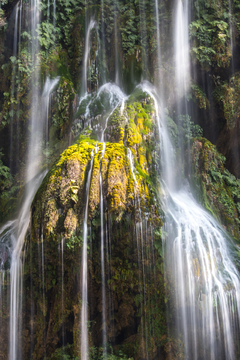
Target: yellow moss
{"x": 51, "y": 215}
{"x": 142, "y": 160}
{"x": 70, "y": 223}
{"x": 139, "y": 122}
{"x": 94, "y": 186}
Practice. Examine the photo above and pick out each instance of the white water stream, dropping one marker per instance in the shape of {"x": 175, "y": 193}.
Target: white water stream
{"x": 18, "y": 232}
{"x": 181, "y": 48}
{"x": 198, "y": 255}
{"x": 13, "y": 80}
{"x": 18, "y": 228}
{"x": 87, "y": 49}
{"x": 49, "y": 86}
{"x": 117, "y": 99}
{"x": 84, "y": 308}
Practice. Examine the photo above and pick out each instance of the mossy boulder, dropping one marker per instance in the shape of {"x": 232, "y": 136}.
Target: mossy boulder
{"x": 132, "y": 215}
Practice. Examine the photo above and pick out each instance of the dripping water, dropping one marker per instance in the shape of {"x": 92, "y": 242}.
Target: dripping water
{"x": 104, "y": 328}
{"x": 117, "y": 98}
{"x": 84, "y": 308}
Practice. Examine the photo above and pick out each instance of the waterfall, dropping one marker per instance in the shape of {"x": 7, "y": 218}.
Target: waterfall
{"x": 117, "y": 98}
{"x": 84, "y": 307}
{"x": 197, "y": 249}
{"x": 117, "y": 80}
{"x": 206, "y": 279}
{"x": 91, "y": 25}
{"x": 34, "y": 178}
{"x": 198, "y": 256}
{"x": 181, "y": 48}
{"x": 18, "y": 232}
{"x": 104, "y": 328}
{"x": 141, "y": 241}
{"x": 198, "y": 253}
{"x": 103, "y": 43}
{"x": 14, "y": 58}
{"x": 143, "y": 33}
{"x": 49, "y": 86}
{"x": 33, "y": 182}
{"x": 18, "y": 74}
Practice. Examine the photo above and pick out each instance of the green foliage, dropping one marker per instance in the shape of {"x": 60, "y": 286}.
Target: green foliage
{"x": 47, "y": 35}
{"x": 189, "y": 129}
{"x": 210, "y": 34}
{"x": 200, "y": 97}
{"x": 158, "y": 237}
{"x": 227, "y": 94}
{"x": 220, "y": 189}
{"x": 74, "y": 241}
{"x": 129, "y": 29}
{"x": 63, "y": 107}
{"x": 8, "y": 191}
{"x": 98, "y": 354}
{"x": 63, "y": 353}
{"x": 5, "y": 177}
{"x": 2, "y": 19}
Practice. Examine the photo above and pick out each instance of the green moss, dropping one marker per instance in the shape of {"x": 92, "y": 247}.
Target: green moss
{"x": 228, "y": 94}
{"x": 220, "y": 190}
{"x": 57, "y": 219}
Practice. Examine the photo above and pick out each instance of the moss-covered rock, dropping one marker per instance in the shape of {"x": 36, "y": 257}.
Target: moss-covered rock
{"x": 219, "y": 189}
{"x": 135, "y": 297}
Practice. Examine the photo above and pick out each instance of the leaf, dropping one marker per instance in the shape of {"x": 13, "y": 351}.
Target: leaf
{"x": 74, "y": 197}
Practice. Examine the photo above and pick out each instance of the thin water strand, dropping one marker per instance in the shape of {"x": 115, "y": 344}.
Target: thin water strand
{"x": 84, "y": 309}
{"x": 91, "y": 25}
{"x": 18, "y": 232}
{"x": 104, "y": 327}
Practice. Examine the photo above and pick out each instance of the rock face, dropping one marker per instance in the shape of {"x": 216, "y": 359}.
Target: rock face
{"x": 135, "y": 297}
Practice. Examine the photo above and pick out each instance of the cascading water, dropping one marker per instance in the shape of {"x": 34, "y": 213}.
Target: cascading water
{"x": 198, "y": 256}
{"x": 84, "y": 307}
{"x": 33, "y": 182}
{"x": 18, "y": 228}
{"x": 103, "y": 260}
{"x": 84, "y": 89}
{"x": 116, "y": 98}
{"x": 181, "y": 48}
{"x": 143, "y": 31}
{"x": 117, "y": 80}
{"x": 141, "y": 241}
{"x": 47, "y": 90}
{"x": 18, "y": 232}
{"x": 13, "y": 79}
{"x": 197, "y": 250}
{"x": 207, "y": 281}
